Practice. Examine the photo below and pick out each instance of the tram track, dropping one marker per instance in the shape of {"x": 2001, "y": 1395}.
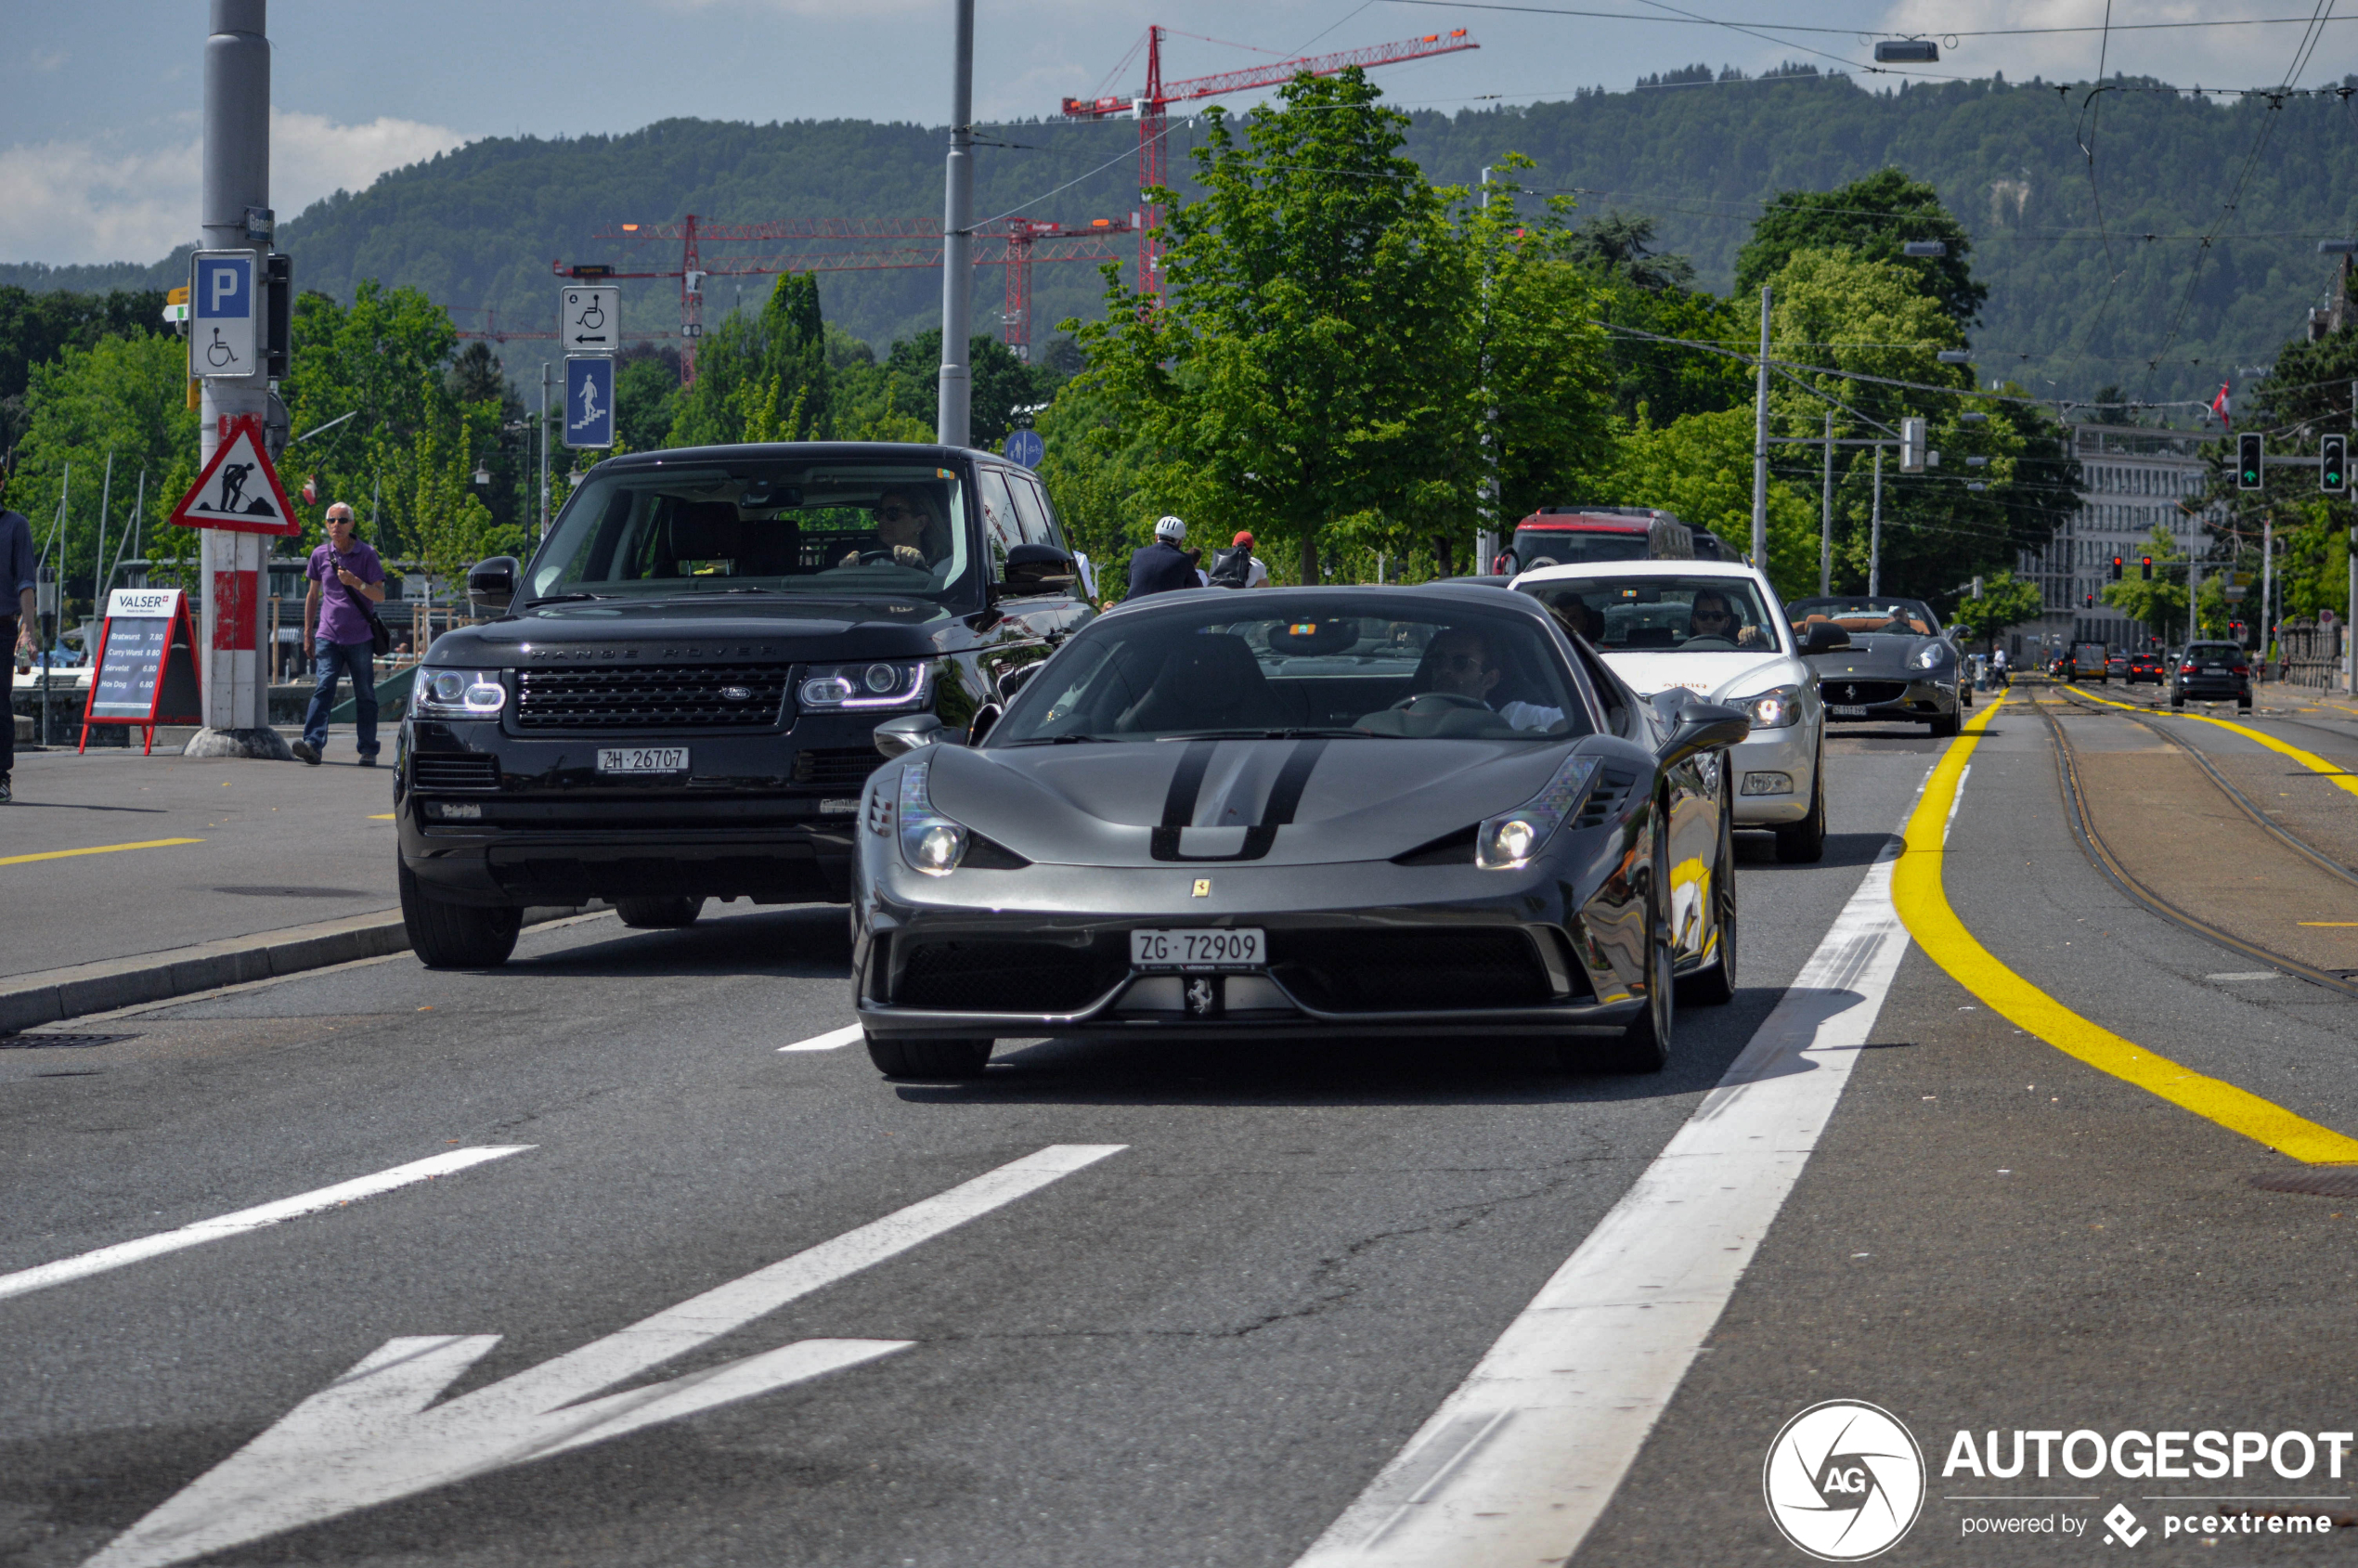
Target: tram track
{"x": 2091, "y": 842}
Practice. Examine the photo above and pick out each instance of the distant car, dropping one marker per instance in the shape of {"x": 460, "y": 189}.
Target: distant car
{"x": 2209, "y": 671}
{"x": 1715, "y": 629}
{"x": 2088, "y": 661}
{"x": 1896, "y": 664}
{"x": 2145, "y": 666}
{"x": 1568, "y": 536}
{"x": 2116, "y": 666}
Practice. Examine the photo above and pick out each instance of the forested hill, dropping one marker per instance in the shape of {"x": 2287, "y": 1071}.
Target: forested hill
{"x": 2074, "y": 301}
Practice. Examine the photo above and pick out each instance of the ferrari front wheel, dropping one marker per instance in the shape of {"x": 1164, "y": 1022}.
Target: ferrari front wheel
{"x": 903, "y": 1057}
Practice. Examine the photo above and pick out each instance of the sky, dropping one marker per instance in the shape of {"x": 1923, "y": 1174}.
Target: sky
{"x": 101, "y": 99}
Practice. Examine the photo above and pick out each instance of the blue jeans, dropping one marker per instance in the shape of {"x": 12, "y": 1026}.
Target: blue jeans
{"x": 344, "y": 658}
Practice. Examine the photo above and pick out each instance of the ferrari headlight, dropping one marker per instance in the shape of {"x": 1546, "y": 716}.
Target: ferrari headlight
{"x": 457, "y": 693}
{"x": 876, "y": 686}
{"x": 1931, "y": 656}
{"x": 929, "y": 842}
{"x": 1779, "y": 709}
{"x": 1505, "y": 842}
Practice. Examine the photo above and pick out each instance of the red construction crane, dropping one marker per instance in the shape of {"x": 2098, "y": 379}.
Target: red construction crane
{"x": 850, "y": 248}
{"x": 1148, "y": 107}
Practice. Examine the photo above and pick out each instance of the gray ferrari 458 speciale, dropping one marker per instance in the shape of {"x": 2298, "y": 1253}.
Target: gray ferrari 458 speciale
{"x": 1897, "y": 665}
{"x": 1300, "y": 812}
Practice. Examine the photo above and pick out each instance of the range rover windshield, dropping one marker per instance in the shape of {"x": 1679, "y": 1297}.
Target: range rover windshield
{"x": 835, "y": 530}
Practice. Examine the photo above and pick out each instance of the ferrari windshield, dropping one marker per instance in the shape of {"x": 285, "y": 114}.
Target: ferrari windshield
{"x": 758, "y": 526}
{"x": 1381, "y": 665}
{"x": 1661, "y": 615}
{"x": 1859, "y": 616}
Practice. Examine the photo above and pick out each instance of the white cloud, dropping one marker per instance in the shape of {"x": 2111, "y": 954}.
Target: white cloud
{"x": 2210, "y": 57}
{"x": 66, "y": 202}
{"x": 46, "y": 59}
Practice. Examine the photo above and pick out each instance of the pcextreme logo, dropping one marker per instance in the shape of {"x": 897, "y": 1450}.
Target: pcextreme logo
{"x": 1844, "y": 1481}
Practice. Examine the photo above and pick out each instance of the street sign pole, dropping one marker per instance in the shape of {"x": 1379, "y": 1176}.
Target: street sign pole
{"x": 954, "y": 410}
{"x": 1760, "y": 445}
{"x": 225, "y": 343}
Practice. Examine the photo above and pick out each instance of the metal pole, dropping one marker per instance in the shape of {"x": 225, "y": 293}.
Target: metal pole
{"x": 544, "y": 448}
{"x": 1486, "y": 547}
{"x": 2349, "y": 624}
{"x": 99, "y": 556}
{"x": 1760, "y": 445}
{"x": 1874, "y": 535}
{"x": 235, "y": 216}
{"x": 954, "y": 422}
{"x": 2267, "y": 587}
{"x": 1826, "y": 519}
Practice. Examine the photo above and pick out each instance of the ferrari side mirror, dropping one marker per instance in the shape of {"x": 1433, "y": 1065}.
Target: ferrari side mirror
{"x": 897, "y": 737}
{"x": 1702, "y": 727}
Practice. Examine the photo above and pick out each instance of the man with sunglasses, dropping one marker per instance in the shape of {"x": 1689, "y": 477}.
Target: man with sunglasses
{"x": 1710, "y": 616}
{"x": 1461, "y": 665}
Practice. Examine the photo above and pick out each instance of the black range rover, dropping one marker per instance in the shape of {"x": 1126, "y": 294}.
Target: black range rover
{"x": 679, "y": 699}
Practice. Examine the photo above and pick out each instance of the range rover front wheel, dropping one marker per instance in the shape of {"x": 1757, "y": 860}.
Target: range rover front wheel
{"x": 452, "y": 936}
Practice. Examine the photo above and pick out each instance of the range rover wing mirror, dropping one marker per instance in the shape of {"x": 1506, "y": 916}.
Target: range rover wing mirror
{"x": 1010, "y": 681}
{"x": 491, "y": 584}
{"x": 1038, "y": 568}
{"x": 897, "y": 737}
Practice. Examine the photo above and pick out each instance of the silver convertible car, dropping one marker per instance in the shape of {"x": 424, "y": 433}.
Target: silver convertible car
{"x": 1304, "y": 812}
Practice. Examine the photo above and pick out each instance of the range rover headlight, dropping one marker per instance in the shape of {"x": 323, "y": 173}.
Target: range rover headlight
{"x": 872, "y": 686}
{"x": 1504, "y": 842}
{"x": 457, "y": 693}
{"x": 1779, "y": 709}
{"x": 929, "y": 842}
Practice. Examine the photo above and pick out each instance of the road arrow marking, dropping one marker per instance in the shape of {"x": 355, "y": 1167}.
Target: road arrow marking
{"x": 370, "y": 1437}
{"x": 104, "y": 1258}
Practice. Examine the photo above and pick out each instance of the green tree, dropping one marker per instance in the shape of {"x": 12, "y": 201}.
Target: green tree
{"x": 2005, "y": 602}
{"x": 36, "y": 328}
{"x": 763, "y": 378}
{"x": 1700, "y": 468}
{"x": 1875, "y": 217}
{"x": 646, "y": 397}
{"x": 1001, "y": 383}
{"x": 2161, "y": 601}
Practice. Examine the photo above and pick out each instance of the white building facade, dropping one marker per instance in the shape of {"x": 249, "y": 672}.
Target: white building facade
{"x": 2134, "y": 480}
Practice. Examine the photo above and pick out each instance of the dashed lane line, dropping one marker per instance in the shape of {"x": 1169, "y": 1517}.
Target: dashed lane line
{"x": 25, "y": 1281}
{"x": 95, "y": 849}
{"x": 833, "y": 1039}
{"x": 1923, "y": 903}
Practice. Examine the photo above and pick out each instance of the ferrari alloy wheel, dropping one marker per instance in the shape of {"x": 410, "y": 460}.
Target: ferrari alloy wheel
{"x": 1716, "y": 985}
{"x": 659, "y": 913}
{"x": 902, "y": 1058}
{"x": 1804, "y": 843}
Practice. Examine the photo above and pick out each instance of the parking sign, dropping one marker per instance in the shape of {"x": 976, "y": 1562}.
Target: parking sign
{"x": 224, "y": 336}
{"x": 589, "y": 402}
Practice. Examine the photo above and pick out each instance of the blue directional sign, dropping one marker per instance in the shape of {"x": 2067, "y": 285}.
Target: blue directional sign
{"x": 1026, "y": 447}
{"x": 589, "y": 420}
{"x": 224, "y": 339}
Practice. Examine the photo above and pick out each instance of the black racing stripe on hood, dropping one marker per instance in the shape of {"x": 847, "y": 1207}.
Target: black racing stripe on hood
{"x": 1187, "y": 784}
{"x": 1285, "y": 799}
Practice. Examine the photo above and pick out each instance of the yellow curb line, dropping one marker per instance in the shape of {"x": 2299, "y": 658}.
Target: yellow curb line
{"x": 2308, "y": 759}
{"x": 96, "y": 849}
{"x": 1923, "y": 905}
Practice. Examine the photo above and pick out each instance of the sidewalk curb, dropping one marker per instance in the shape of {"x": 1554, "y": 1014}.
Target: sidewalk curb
{"x": 47, "y": 996}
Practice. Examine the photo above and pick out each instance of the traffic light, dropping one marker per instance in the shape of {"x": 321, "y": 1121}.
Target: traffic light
{"x": 1911, "y": 446}
{"x": 2246, "y": 463}
{"x": 2115, "y": 568}
{"x": 2149, "y": 568}
{"x": 2088, "y": 601}
{"x": 2333, "y": 466}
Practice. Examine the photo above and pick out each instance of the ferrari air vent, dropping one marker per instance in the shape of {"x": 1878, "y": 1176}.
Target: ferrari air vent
{"x": 1450, "y": 848}
{"x": 1606, "y": 796}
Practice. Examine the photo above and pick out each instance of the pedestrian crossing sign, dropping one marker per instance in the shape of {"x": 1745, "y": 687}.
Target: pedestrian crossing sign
{"x": 238, "y": 489}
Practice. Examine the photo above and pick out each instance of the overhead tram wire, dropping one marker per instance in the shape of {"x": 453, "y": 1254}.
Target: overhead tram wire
{"x": 1869, "y": 32}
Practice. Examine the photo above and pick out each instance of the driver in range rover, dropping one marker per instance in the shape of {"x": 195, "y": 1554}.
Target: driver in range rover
{"x": 1462, "y": 667}
{"x": 906, "y": 525}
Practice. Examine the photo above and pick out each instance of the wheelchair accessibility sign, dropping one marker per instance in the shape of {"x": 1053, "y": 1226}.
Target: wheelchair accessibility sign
{"x": 225, "y": 330}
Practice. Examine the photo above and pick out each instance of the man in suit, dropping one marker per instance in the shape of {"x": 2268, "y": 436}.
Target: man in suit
{"x": 1163, "y": 566}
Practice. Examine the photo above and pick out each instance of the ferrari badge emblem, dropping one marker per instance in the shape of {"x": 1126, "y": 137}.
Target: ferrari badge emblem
{"x": 1204, "y": 887}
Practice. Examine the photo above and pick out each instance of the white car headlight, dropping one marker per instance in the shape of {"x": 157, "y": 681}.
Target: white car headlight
{"x": 872, "y": 686}
{"x": 1510, "y": 840}
{"x": 457, "y": 693}
{"x": 929, "y": 842}
{"x": 1930, "y": 656}
{"x": 1779, "y": 709}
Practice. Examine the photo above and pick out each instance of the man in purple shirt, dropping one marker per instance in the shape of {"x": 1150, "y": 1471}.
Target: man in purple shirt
{"x": 335, "y": 634}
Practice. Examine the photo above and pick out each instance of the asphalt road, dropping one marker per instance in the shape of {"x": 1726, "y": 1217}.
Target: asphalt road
{"x": 1199, "y": 1346}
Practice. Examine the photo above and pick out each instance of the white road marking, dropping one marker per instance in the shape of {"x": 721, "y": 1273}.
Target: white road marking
{"x": 368, "y": 1437}
{"x": 116, "y": 1256}
{"x": 2249, "y": 975}
{"x": 1954, "y": 802}
{"x": 833, "y": 1039}
{"x": 1521, "y": 1459}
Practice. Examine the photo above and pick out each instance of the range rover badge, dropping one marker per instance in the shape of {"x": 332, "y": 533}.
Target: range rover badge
{"x": 736, "y": 693}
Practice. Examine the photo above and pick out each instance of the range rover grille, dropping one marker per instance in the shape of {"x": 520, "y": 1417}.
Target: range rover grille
{"x": 844, "y": 768}
{"x": 694, "y": 697}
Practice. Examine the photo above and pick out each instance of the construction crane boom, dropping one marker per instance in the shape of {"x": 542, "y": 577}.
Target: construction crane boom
{"x": 1149, "y": 106}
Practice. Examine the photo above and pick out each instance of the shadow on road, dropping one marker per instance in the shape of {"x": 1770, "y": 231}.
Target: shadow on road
{"x": 805, "y": 942}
